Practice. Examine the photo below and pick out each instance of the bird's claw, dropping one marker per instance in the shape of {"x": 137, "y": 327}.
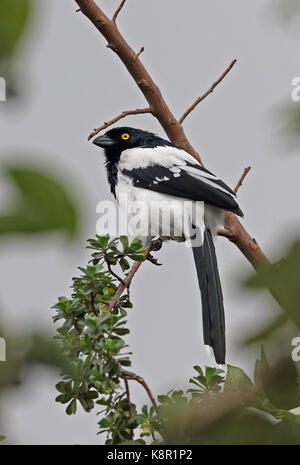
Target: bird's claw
{"x": 153, "y": 260}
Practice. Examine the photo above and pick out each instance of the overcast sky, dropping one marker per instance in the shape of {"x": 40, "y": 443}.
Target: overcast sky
{"x": 72, "y": 83}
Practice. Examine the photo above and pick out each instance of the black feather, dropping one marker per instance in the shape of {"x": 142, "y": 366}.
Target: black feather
{"x": 185, "y": 186}
{"x": 212, "y": 297}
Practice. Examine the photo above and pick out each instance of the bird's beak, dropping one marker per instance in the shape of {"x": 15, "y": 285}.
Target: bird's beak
{"x": 103, "y": 141}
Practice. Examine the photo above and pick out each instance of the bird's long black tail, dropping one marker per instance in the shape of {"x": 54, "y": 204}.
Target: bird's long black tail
{"x": 212, "y": 297}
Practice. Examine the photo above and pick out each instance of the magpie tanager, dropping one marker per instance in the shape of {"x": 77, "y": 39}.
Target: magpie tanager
{"x": 143, "y": 167}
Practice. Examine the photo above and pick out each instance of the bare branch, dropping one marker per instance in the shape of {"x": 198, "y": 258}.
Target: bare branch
{"x": 114, "y": 18}
{"x": 240, "y": 182}
{"x": 237, "y": 234}
{"x": 138, "y": 111}
{"x": 139, "y": 73}
{"x": 210, "y": 90}
{"x": 140, "y": 380}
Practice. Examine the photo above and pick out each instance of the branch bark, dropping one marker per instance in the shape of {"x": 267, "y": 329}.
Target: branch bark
{"x": 240, "y": 182}
{"x": 114, "y": 18}
{"x": 234, "y": 230}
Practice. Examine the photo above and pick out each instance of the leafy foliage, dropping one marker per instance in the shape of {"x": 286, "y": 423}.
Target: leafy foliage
{"x": 282, "y": 279}
{"x": 42, "y": 204}
{"x": 219, "y": 408}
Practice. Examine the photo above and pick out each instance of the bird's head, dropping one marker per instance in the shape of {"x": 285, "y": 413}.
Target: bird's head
{"x": 116, "y": 140}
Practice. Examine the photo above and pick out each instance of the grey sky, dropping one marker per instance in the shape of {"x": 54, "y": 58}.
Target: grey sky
{"x": 73, "y": 83}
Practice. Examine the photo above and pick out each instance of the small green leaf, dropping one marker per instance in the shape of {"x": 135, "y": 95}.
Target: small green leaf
{"x": 125, "y": 242}
{"x": 124, "y": 264}
{"x": 72, "y": 407}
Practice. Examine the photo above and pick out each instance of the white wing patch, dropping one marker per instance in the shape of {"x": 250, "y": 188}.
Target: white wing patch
{"x": 142, "y": 157}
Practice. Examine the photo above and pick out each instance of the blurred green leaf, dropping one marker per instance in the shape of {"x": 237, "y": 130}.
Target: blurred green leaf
{"x": 42, "y": 204}
{"x": 14, "y": 16}
{"x": 282, "y": 279}
{"x": 237, "y": 381}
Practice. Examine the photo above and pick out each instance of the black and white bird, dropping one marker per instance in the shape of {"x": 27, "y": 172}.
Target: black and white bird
{"x": 145, "y": 169}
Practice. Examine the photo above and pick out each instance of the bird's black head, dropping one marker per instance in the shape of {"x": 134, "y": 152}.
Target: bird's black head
{"x": 116, "y": 140}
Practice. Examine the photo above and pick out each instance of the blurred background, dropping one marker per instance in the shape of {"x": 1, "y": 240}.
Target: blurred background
{"x": 61, "y": 83}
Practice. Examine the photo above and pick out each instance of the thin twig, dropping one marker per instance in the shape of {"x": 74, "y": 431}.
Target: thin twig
{"x": 210, "y": 90}
{"x": 113, "y": 273}
{"x": 93, "y": 304}
{"x": 140, "y": 380}
{"x": 246, "y": 171}
{"x": 126, "y": 283}
{"x": 138, "y": 111}
{"x": 129, "y": 404}
{"x": 114, "y": 18}
{"x": 142, "y": 49}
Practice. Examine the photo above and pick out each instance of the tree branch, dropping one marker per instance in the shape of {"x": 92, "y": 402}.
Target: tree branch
{"x": 209, "y": 91}
{"x": 129, "y": 403}
{"x": 113, "y": 273}
{"x": 114, "y": 18}
{"x": 234, "y": 231}
{"x": 240, "y": 182}
{"x": 139, "y": 73}
{"x": 130, "y": 375}
{"x": 126, "y": 283}
{"x": 138, "y": 111}
{"x": 237, "y": 234}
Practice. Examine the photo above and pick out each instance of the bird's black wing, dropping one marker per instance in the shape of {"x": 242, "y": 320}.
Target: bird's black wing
{"x": 188, "y": 181}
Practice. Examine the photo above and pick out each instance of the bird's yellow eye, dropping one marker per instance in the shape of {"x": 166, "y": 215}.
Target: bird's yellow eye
{"x": 125, "y": 136}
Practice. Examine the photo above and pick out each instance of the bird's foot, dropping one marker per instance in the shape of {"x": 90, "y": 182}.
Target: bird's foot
{"x": 153, "y": 260}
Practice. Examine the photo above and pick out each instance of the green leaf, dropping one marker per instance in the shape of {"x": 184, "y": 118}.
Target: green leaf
{"x": 237, "y": 380}
{"x": 2, "y": 438}
{"x": 42, "y": 204}
{"x": 124, "y": 264}
{"x": 104, "y": 423}
{"x": 282, "y": 279}
{"x": 125, "y": 242}
{"x": 14, "y": 16}
{"x": 72, "y": 407}
{"x": 137, "y": 246}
